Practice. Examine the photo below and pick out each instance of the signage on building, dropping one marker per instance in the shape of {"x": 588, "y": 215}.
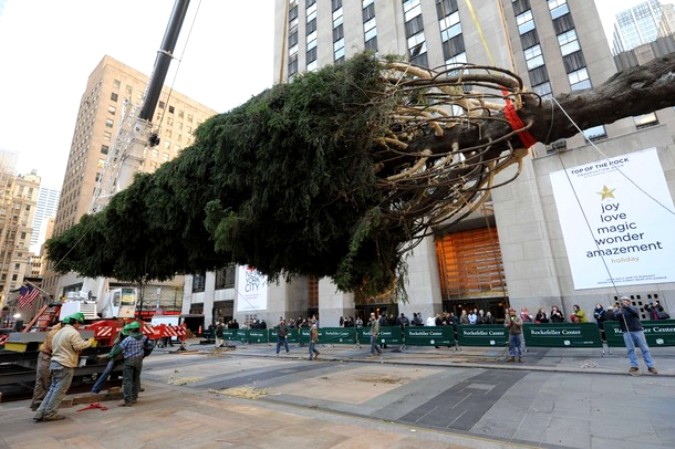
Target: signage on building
{"x": 251, "y": 293}
{"x": 617, "y": 219}
{"x": 563, "y": 335}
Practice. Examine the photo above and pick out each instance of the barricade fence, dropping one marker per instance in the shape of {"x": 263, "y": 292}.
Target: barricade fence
{"x": 557, "y": 335}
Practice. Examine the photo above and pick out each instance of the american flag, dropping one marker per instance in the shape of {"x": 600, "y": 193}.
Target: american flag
{"x": 27, "y": 294}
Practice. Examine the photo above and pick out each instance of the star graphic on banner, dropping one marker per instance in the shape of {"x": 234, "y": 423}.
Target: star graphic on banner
{"x": 606, "y": 193}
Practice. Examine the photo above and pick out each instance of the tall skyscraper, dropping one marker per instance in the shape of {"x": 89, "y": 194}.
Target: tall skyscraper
{"x": 641, "y": 24}
{"x": 113, "y": 92}
{"x": 48, "y": 201}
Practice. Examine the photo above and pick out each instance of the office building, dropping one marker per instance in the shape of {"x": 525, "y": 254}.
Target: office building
{"x": 48, "y": 201}
{"x": 113, "y": 93}
{"x": 642, "y": 24}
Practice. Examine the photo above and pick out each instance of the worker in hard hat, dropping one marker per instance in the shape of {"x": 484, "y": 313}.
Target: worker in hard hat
{"x": 66, "y": 347}
{"x": 43, "y": 377}
{"x": 135, "y": 347}
{"x": 112, "y": 363}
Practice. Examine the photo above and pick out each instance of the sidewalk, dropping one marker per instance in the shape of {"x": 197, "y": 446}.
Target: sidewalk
{"x": 611, "y": 361}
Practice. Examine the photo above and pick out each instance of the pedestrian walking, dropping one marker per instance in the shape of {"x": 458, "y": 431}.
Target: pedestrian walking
{"x": 515, "y": 326}
{"x": 313, "y": 340}
{"x": 282, "y": 336}
{"x": 135, "y": 348}
{"x": 219, "y": 334}
{"x": 374, "y": 333}
{"x": 66, "y": 347}
{"x": 633, "y": 335}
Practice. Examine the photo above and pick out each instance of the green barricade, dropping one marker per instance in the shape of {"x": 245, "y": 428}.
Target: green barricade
{"x": 482, "y": 335}
{"x": 231, "y": 335}
{"x": 657, "y": 333}
{"x": 292, "y": 337}
{"x": 389, "y": 335}
{"x": 304, "y": 335}
{"x": 258, "y": 336}
{"x": 562, "y": 335}
{"x": 429, "y": 336}
{"x": 337, "y": 335}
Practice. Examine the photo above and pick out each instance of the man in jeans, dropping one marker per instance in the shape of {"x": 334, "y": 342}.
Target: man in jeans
{"x": 633, "y": 335}
{"x": 135, "y": 347}
{"x": 66, "y": 347}
{"x": 313, "y": 340}
{"x": 374, "y": 333}
{"x": 282, "y": 336}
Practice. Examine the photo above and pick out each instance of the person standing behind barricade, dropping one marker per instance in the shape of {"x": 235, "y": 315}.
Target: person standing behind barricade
{"x": 578, "y": 316}
{"x": 313, "y": 340}
{"x": 282, "y": 336}
{"x": 556, "y": 315}
{"x": 66, "y": 347}
{"x": 43, "y": 377}
{"x": 473, "y": 317}
{"x": 489, "y": 319}
{"x": 135, "y": 348}
{"x": 515, "y": 326}
{"x": 541, "y": 317}
{"x": 599, "y": 315}
{"x": 633, "y": 335}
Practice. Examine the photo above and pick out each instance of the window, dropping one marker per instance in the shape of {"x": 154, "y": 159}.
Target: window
{"x": 595, "y": 133}
{"x": 113, "y": 97}
{"x": 198, "y": 282}
{"x": 311, "y": 26}
{"x": 225, "y": 277}
{"x": 293, "y": 39}
{"x": 558, "y": 8}
{"x": 293, "y": 65}
{"x": 107, "y": 136}
{"x": 414, "y": 26}
{"x": 568, "y": 42}
{"x": 161, "y": 105}
{"x": 336, "y": 4}
{"x": 411, "y": 8}
{"x": 104, "y": 149}
{"x": 525, "y": 22}
{"x": 311, "y": 55}
{"x": 112, "y": 110}
{"x": 450, "y": 26}
{"x": 538, "y": 75}
{"x": 533, "y": 57}
{"x": 520, "y": 6}
{"x": 574, "y": 62}
{"x": 579, "y": 79}
{"x": 445, "y": 7}
{"x": 116, "y": 84}
{"x": 190, "y": 118}
{"x": 369, "y": 12}
{"x": 646, "y": 120}
{"x": 543, "y": 89}
{"x": 171, "y": 109}
{"x": 453, "y": 47}
{"x": 371, "y": 45}
{"x": 109, "y": 123}
{"x": 563, "y": 24}
{"x": 529, "y": 39}
{"x": 338, "y": 33}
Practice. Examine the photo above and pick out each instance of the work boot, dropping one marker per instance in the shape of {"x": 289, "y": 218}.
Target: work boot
{"x": 510, "y": 359}
{"x": 634, "y": 371}
{"x": 520, "y": 359}
{"x": 54, "y": 417}
{"x": 125, "y": 404}
{"x": 653, "y": 370}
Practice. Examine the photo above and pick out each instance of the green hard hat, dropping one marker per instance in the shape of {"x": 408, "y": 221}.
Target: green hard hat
{"x": 79, "y": 316}
{"x": 125, "y": 330}
{"x": 133, "y": 326}
{"x": 66, "y": 320}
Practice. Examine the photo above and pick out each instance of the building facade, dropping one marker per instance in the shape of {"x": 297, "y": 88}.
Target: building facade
{"x": 512, "y": 252}
{"x": 642, "y": 24}
{"x": 18, "y": 201}
{"x": 48, "y": 201}
{"x": 114, "y": 92}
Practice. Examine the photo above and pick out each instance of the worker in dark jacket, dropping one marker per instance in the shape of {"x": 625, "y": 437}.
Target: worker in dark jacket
{"x": 135, "y": 347}
{"x": 633, "y": 335}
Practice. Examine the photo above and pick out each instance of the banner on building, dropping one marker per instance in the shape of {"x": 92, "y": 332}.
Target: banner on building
{"x": 617, "y": 221}
{"x": 251, "y": 294}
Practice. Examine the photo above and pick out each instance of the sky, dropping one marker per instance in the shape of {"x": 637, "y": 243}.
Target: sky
{"x": 48, "y": 48}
